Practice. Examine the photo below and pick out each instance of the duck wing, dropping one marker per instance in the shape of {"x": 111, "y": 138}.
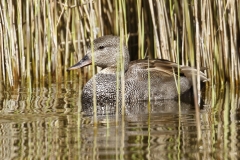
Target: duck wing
{"x": 161, "y": 67}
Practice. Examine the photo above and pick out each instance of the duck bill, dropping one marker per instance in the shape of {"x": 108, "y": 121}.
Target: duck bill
{"x": 85, "y": 61}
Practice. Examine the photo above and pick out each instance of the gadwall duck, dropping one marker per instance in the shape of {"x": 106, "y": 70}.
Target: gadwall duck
{"x": 137, "y": 74}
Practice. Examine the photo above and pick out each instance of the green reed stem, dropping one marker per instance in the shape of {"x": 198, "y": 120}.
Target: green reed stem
{"x": 92, "y": 28}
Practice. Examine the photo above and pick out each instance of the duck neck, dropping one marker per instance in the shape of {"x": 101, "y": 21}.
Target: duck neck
{"x": 116, "y": 69}
{"x": 122, "y": 62}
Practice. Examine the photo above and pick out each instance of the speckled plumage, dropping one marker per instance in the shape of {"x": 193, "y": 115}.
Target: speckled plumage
{"x": 162, "y": 82}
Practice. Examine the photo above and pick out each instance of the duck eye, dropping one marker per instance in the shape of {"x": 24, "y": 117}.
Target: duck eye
{"x": 101, "y": 47}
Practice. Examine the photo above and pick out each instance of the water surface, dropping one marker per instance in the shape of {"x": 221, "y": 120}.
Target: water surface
{"x": 51, "y": 123}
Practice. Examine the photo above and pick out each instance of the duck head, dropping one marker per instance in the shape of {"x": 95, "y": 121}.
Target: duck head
{"x": 106, "y": 52}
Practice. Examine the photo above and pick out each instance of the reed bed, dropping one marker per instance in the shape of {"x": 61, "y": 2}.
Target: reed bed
{"x": 41, "y": 39}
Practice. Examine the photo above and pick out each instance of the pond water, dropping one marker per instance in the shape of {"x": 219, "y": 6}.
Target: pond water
{"x": 51, "y": 123}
